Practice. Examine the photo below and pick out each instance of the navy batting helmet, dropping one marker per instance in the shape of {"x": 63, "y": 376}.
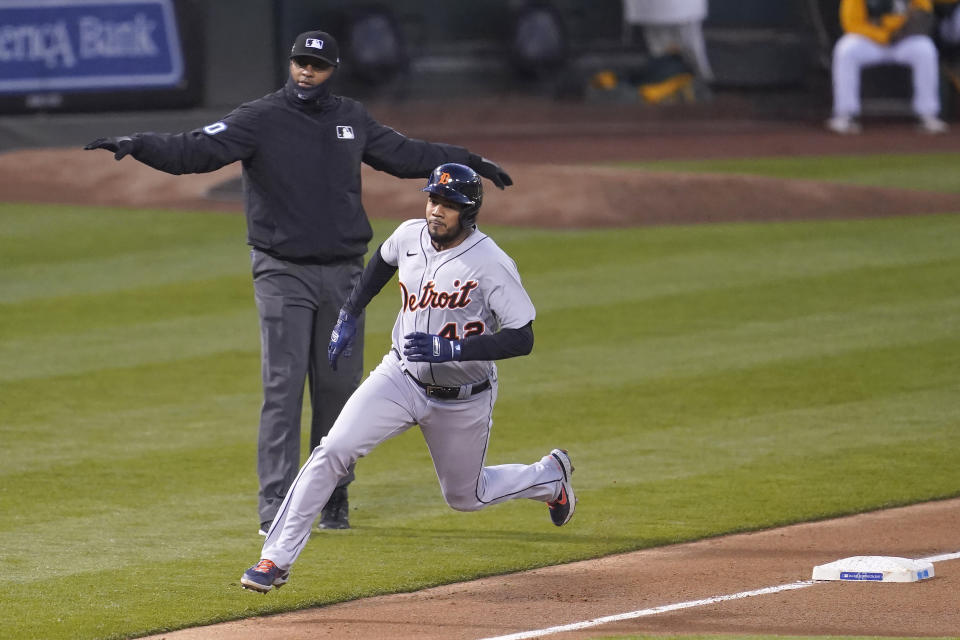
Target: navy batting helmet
{"x": 461, "y": 184}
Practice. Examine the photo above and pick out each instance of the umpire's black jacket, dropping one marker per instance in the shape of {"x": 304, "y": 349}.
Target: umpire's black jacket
{"x": 301, "y": 167}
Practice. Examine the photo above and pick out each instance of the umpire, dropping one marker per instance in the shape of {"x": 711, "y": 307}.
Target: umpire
{"x": 301, "y": 149}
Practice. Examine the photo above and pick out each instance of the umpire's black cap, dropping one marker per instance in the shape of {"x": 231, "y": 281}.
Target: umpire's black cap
{"x": 316, "y": 44}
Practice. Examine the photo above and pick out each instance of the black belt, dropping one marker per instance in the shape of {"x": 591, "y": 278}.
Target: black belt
{"x": 445, "y": 393}
{"x": 448, "y": 393}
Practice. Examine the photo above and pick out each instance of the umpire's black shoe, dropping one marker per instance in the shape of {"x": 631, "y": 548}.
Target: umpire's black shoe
{"x": 336, "y": 515}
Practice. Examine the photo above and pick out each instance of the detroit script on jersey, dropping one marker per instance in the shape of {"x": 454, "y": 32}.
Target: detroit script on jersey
{"x": 430, "y": 297}
{"x": 471, "y": 289}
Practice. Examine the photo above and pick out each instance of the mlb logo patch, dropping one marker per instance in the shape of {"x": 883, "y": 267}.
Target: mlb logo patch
{"x": 344, "y": 132}
{"x": 314, "y": 43}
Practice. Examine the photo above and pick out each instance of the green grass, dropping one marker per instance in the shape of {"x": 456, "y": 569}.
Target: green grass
{"x": 707, "y": 379}
{"x": 926, "y": 172}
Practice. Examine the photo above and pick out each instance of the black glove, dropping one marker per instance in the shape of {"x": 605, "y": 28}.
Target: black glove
{"x": 490, "y": 170}
{"x": 341, "y": 338}
{"x": 120, "y": 147}
{"x": 426, "y": 347}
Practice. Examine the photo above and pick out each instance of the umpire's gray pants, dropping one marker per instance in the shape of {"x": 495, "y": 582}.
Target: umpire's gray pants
{"x": 298, "y": 305}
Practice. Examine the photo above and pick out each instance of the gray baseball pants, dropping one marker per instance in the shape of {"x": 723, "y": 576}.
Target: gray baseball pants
{"x": 298, "y": 306}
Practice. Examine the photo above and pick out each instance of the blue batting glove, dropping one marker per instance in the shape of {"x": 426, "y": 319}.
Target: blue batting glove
{"x": 341, "y": 338}
{"x": 426, "y": 347}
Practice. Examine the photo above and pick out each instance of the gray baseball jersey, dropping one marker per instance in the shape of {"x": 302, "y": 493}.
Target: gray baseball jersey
{"x": 471, "y": 289}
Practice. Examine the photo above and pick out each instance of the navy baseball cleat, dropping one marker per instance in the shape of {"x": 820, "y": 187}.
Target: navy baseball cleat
{"x": 561, "y": 509}
{"x": 264, "y": 576}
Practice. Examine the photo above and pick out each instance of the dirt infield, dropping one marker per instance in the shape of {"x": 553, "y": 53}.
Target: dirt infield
{"x": 619, "y": 584}
{"x": 552, "y": 157}
{"x": 551, "y": 152}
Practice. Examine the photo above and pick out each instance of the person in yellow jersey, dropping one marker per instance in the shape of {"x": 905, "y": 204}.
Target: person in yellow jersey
{"x": 885, "y": 32}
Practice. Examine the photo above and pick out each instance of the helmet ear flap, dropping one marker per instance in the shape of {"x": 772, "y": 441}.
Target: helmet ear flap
{"x": 468, "y": 216}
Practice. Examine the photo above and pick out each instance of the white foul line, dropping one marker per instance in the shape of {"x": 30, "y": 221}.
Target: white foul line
{"x": 942, "y": 557}
{"x": 576, "y": 626}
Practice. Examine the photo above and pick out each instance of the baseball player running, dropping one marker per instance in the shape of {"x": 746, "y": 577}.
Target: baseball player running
{"x": 463, "y": 306}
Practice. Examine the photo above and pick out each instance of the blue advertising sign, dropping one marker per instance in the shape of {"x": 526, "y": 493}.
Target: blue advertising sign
{"x": 72, "y": 45}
